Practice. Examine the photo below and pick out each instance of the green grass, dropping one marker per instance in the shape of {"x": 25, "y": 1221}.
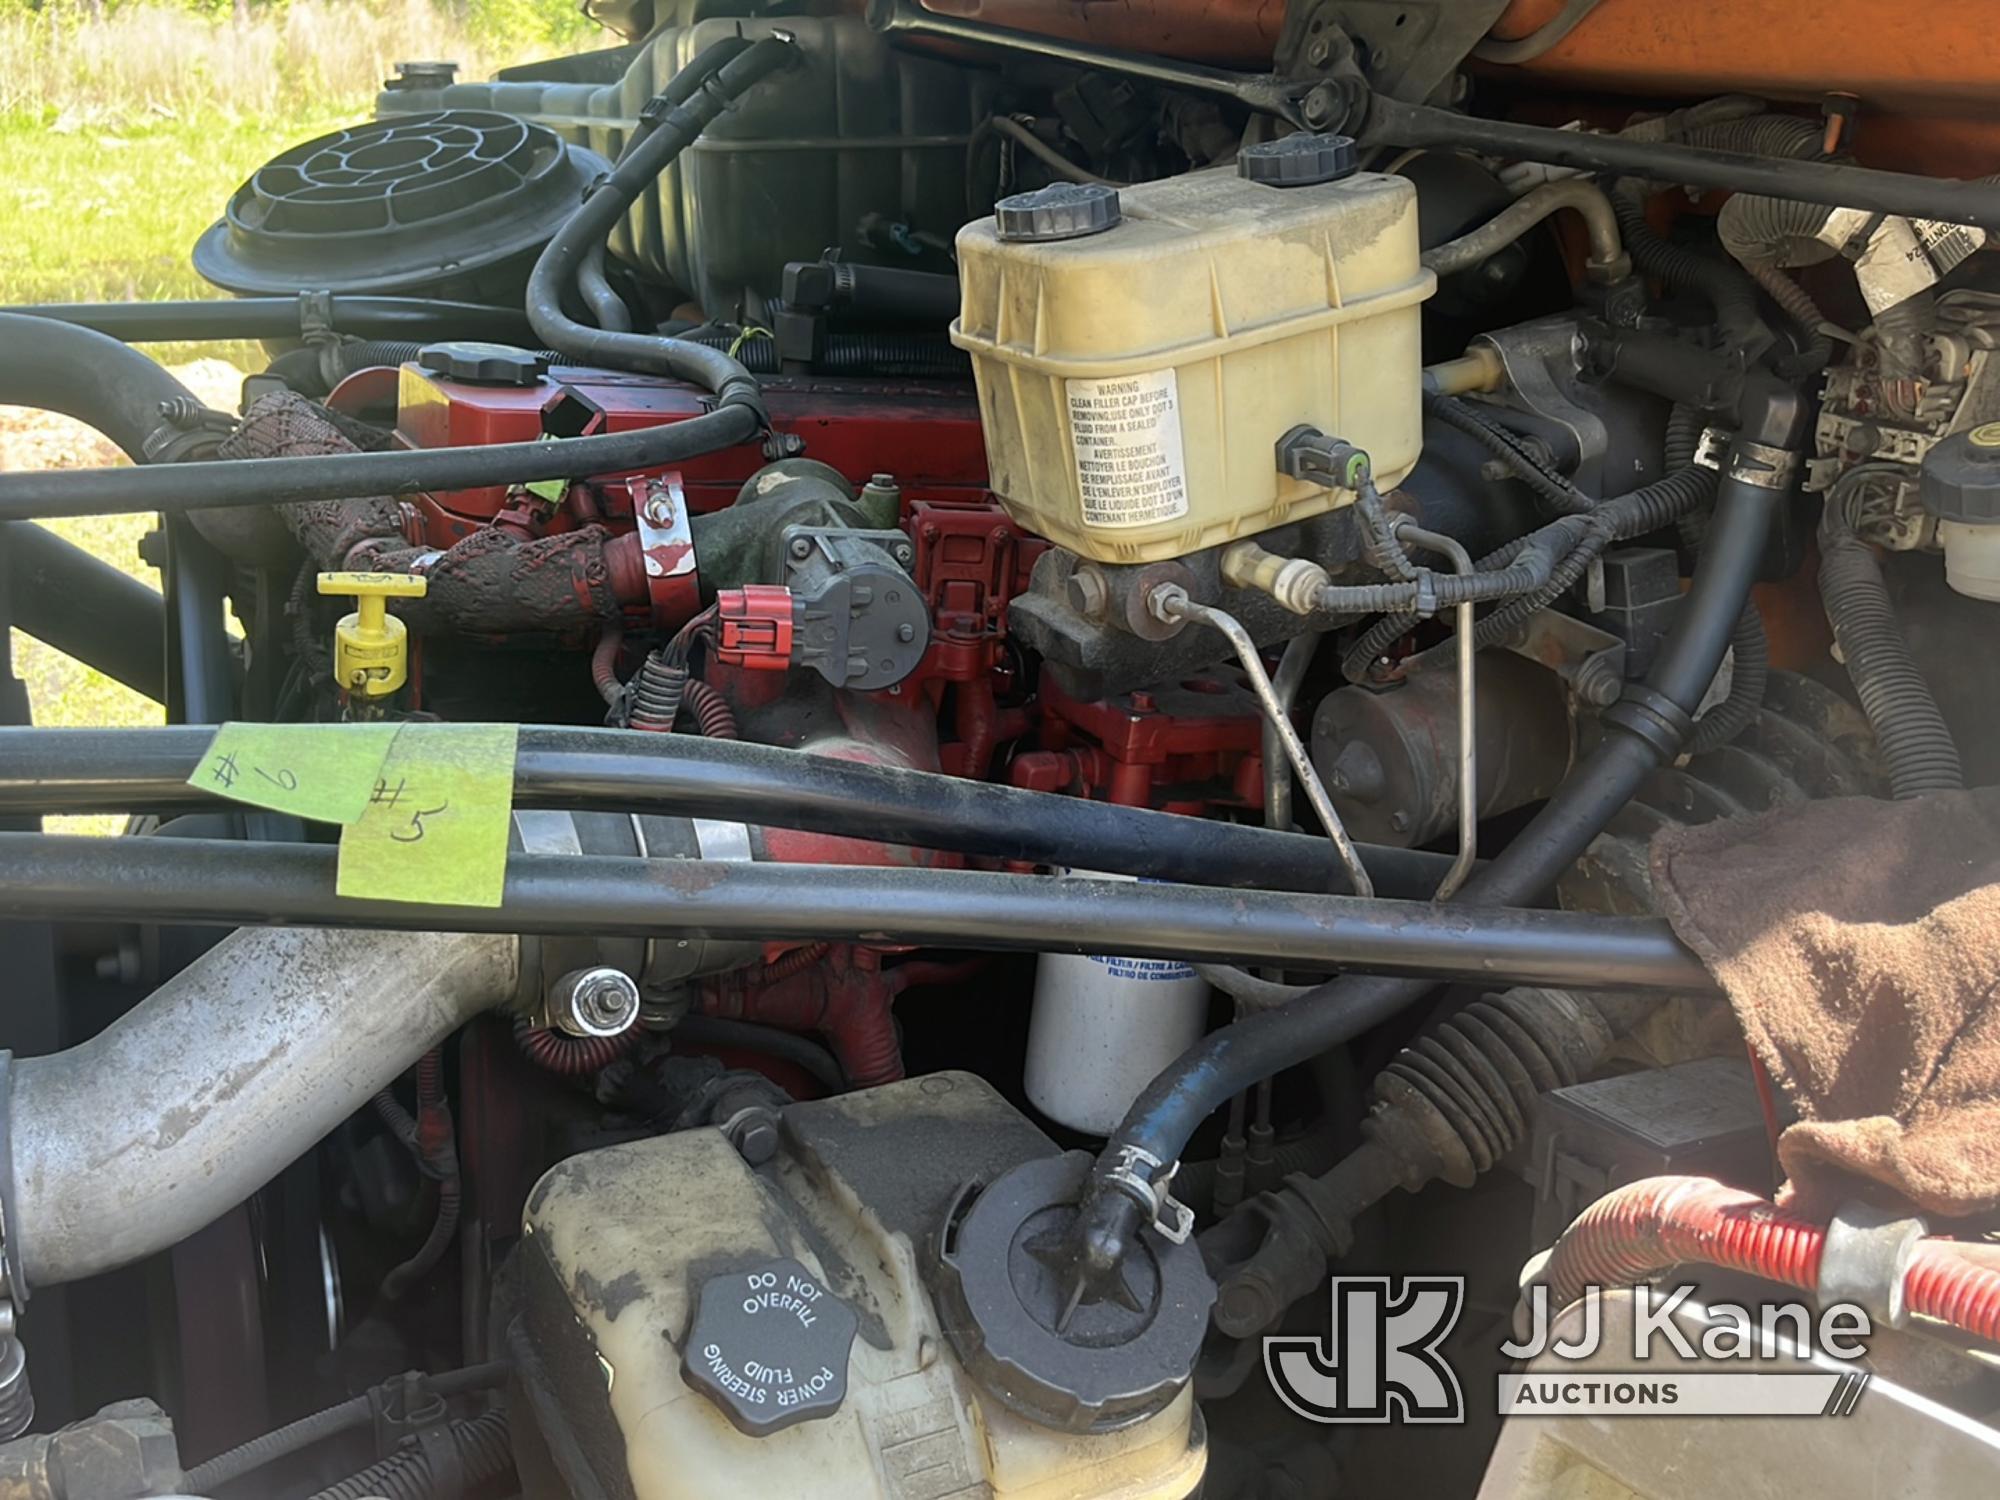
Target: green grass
{"x": 102, "y": 215}
{"x": 105, "y": 216}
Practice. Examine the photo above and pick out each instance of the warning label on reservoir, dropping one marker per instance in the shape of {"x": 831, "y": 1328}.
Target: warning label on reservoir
{"x": 1126, "y": 433}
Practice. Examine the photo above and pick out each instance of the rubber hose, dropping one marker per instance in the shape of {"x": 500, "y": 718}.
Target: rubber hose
{"x": 605, "y": 304}
{"x": 90, "y": 376}
{"x": 748, "y": 1036}
{"x": 177, "y": 489}
{"x": 295, "y": 1437}
{"x": 1649, "y": 1226}
{"x": 1251, "y": 990}
{"x": 604, "y": 664}
{"x": 556, "y": 268}
{"x": 1563, "y": 496}
{"x": 483, "y": 1455}
{"x": 1916, "y": 743}
{"x": 1727, "y": 290}
{"x": 1750, "y": 673}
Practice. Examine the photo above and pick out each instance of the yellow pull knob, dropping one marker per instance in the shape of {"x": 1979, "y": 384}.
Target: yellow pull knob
{"x": 371, "y": 649}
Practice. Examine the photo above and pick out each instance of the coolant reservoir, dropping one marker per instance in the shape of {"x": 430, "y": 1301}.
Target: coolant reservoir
{"x": 1139, "y": 351}
{"x": 692, "y": 1325}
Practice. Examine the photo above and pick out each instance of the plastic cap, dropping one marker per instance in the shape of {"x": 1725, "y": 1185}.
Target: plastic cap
{"x": 1961, "y": 477}
{"x": 1060, "y": 211}
{"x": 482, "y": 364}
{"x": 1298, "y": 160}
{"x": 769, "y": 1346}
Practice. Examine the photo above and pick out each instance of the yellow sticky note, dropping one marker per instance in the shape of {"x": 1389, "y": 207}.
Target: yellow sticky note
{"x": 435, "y": 827}
{"x": 325, "y": 772}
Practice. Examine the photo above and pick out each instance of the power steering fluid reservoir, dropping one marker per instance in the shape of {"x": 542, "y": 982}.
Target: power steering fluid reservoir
{"x": 1139, "y": 351}
{"x": 861, "y": 1314}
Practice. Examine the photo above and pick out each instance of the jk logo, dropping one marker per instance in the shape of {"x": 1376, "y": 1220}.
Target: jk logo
{"x": 1379, "y": 1361}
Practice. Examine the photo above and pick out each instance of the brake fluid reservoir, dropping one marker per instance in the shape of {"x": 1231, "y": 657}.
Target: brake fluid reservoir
{"x": 1139, "y": 351}
{"x": 692, "y": 1326}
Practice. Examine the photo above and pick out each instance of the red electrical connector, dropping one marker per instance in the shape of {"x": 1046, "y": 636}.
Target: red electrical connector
{"x": 754, "y": 626}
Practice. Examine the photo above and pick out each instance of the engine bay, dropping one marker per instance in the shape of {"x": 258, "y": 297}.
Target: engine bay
{"x": 897, "y": 743}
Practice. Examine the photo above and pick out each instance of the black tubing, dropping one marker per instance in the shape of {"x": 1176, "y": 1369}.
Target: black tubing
{"x": 296, "y": 1437}
{"x": 418, "y": 318}
{"x": 85, "y": 608}
{"x": 220, "y": 881}
{"x": 1645, "y": 509}
{"x": 1251, "y": 991}
{"x": 747, "y": 1036}
{"x": 1917, "y": 748}
{"x": 1563, "y": 496}
{"x": 1393, "y": 123}
{"x": 484, "y": 1454}
{"x": 1725, "y": 287}
{"x": 1750, "y": 673}
{"x": 556, "y": 269}
{"x": 61, "y": 367}
{"x": 1642, "y": 731}
{"x": 612, "y": 315}
{"x": 611, "y": 770}
{"x": 178, "y": 488}
{"x": 1815, "y": 351}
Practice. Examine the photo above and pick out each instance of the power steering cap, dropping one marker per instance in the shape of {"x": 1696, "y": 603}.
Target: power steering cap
{"x": 769, "y": 1345}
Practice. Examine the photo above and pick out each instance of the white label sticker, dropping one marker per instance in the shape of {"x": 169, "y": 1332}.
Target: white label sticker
{"x": 1948, "y": 244}
{"x": 1903, "y": 256}
{"x": 1126, "y": 436}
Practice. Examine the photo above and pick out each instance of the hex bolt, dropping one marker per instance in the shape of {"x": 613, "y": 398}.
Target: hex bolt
{"x": 1597, "y": 682}
{"x": 1087, "y": 592}
{"x": 600, "y": 1001}
{"x": 659, "y": 512}
{"x": 1320, "y": 53}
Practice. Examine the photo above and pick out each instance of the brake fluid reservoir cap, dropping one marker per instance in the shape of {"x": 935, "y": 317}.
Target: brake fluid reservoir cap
{"x": 769, "y": 1346}
{"x": 1060, "y": 211}
{"x": 1298, "y": 160}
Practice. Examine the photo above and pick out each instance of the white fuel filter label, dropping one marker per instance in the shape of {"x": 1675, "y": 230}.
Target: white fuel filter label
{"x": 1126, "y": 436}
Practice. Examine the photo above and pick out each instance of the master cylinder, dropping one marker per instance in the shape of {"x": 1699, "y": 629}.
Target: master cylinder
{"x": 1139, "y": 351}
{"x": 865, "y": 1313}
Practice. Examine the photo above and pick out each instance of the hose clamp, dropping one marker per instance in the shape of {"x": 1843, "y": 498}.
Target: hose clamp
{"x": 1148, "y": 1181}
{"x": 1761, "y": 464}
{"x": 1865, "y": 1257}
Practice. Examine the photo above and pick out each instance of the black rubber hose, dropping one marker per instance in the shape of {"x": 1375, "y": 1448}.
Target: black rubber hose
{"x": 64, "y": 368}
{"x": 556, "y": 269}
{"x": 1724, "y": 287}
{"x": 178, "y": 488}
{"x": 1562, "y": 496}
{"x": 1644, "y": 730}
{"x": 747, "y": 1036}
{"x": 216, "y": 881}
{"x": 484, "y": 1454}
{"x": 296, "y": 1437}
{"x": 1815, "y": 350}
{"x": 612, "y": 315}
{"x": 421, "y": 318}
{"x": 85, "y": 608}
{"x": 1390, "y": 122}
{"x": 625, "y": 771}
{"x": 1916, "y": 743}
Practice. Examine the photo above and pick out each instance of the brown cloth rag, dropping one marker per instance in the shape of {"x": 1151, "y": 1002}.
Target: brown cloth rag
{"x": 1859, "y": 942}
